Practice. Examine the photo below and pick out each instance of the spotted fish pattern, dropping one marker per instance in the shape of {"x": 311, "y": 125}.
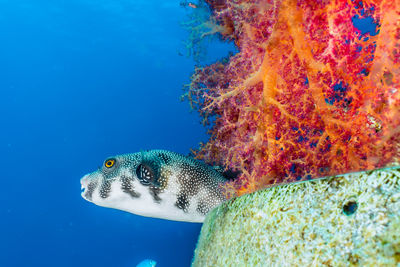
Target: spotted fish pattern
{"x": 156, "y": 183}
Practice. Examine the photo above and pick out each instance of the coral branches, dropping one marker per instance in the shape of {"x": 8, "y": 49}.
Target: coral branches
{"x": 308, "y": 95}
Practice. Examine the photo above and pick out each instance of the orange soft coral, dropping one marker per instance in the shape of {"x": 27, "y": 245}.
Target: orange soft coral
{"x": 308, "y": 95}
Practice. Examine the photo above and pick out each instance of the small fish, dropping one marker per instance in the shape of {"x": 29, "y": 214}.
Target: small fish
{"x": 192, "y": 5}
{"x": 188, "y": 4}
{"x": 156, "y": 183}
{"x": 147, "y": 263}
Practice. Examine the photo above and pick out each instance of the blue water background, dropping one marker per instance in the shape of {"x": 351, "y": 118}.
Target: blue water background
{"x": 82, "y": 80}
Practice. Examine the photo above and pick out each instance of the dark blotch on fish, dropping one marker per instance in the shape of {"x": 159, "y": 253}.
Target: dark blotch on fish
{"x": 127, "y": 187}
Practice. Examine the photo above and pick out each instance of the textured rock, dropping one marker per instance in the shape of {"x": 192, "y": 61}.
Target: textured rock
{"x": 338, "y": 221}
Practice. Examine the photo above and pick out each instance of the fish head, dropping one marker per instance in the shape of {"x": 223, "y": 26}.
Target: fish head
{"x": 126, "y": 182}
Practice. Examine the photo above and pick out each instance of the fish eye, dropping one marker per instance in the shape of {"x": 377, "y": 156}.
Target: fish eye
{"x": 109, "y": 163}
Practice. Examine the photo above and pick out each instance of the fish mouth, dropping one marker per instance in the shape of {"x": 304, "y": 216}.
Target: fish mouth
{"x": 84, "y": 183}
{"x": 88, "y": 186}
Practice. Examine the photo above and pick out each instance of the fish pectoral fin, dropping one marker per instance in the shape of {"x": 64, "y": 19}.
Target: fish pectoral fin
{"x": 148, "y": 171}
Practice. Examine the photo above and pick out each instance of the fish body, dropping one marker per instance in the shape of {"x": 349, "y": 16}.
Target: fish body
{"x": 147, "y": 263}
{"x": 156, "y": 183}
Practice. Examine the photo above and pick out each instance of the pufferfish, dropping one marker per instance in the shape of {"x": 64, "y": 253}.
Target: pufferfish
{"x": 157, "y": 183}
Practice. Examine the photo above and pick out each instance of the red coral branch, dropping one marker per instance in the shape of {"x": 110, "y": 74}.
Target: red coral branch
{"x": 308, "y": 95}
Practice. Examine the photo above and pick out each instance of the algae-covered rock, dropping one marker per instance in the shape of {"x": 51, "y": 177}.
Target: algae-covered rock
{"x": 338, "y": 221}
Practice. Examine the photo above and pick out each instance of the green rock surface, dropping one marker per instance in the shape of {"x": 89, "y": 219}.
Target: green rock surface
{"x": 349, "y": 220}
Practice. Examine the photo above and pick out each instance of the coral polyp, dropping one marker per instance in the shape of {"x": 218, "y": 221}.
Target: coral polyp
{"x": 308, "y": 94}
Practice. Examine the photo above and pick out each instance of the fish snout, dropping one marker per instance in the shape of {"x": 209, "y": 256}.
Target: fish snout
{"x": 86, "y": 183}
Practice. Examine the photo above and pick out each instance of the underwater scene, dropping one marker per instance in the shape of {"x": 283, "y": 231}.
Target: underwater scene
{"x": 81, "y": 81}
{"x": 200, "y": 133}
